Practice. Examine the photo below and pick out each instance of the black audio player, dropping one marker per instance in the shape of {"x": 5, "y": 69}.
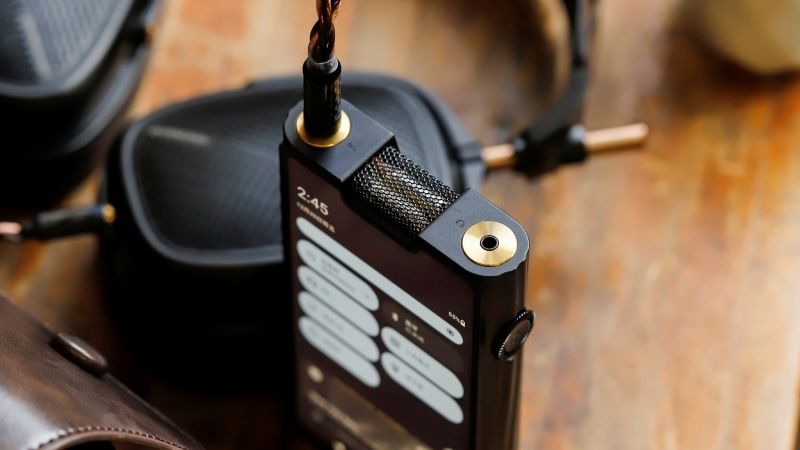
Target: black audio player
{"x": 408, "y": 299}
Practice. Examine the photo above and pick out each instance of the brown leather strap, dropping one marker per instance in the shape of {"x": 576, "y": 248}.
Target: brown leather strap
{"x": 55, "y": 394}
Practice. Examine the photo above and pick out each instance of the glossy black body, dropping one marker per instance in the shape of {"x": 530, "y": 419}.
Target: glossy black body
{"x": 498, "y": 291}
{"x": 500, "y": 297}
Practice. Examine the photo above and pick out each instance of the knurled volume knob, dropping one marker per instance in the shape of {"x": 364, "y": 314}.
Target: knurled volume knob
{"x": 510, "y": 340}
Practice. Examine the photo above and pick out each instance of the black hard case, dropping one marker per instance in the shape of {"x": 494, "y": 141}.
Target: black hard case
{"x": 57, "y": 130}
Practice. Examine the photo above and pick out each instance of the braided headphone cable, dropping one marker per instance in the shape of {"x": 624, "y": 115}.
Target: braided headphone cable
{"x": 323, "y": 35}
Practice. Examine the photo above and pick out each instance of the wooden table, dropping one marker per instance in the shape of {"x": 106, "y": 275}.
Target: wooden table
{"x": 667, "y": 282}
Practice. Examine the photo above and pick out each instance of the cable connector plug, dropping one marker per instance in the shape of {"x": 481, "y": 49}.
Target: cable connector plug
{"x": 60, "y": 223}
{"x": 539, "y": 153}
{"x": 322, "y": 124}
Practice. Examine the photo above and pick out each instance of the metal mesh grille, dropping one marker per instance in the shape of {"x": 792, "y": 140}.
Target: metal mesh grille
{"x": 46, "y": 39}
{"x": 407, "y": 196}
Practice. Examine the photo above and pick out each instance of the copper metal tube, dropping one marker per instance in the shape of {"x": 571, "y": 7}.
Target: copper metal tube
{"x": 10, "y": 231}
{"x": 616, "y": 138}
{"x": 498, "y": 156}
{"x": 595, "y": 141}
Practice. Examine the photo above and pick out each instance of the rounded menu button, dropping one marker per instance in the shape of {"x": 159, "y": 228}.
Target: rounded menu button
{"x": 337, "y": 274}
{"x": 340, "y": 353}
{"x": 424, "y": 363}
{"x": 337, "y": 324}
{"x": 337, "y": 300}
{"x": 421, "y": 388}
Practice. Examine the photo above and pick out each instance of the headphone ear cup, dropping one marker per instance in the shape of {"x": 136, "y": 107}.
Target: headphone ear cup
{"x": 67, "y": 73}
{"x": 196, "y": 252}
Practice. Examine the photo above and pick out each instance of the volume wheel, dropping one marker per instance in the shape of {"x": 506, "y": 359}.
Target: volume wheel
{"x": 510, "y": 341}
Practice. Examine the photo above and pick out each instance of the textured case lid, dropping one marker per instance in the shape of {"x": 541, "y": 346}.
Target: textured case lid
{"x": 50, "y": 48}
{"x": 49, "y": 402}
{"x": 201, "y": 177}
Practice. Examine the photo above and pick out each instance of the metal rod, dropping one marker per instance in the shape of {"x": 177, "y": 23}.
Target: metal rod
{"x": 595, "y": 142}
{"x": 11, "y": 231}
{"x": 616, "y": 138}
{"x": 499, "y": 156}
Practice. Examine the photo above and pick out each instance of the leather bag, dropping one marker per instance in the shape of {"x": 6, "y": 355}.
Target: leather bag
{"x": 56, "y": 393}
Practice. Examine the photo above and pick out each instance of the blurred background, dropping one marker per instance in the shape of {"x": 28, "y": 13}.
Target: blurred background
{"x": 666, "y": 280}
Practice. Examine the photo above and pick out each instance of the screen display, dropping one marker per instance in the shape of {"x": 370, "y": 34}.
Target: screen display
{"x": 383, "y": 335}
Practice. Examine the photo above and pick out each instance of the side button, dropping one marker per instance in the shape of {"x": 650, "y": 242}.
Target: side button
{"x": 510, "y": 340}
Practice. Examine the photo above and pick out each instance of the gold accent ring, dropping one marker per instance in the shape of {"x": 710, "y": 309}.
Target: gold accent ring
{"x": 342, "y": 131}
{"x": 489, "y": 243}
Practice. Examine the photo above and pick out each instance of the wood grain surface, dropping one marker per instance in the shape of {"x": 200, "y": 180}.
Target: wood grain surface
{"x": 666, "y": 282}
